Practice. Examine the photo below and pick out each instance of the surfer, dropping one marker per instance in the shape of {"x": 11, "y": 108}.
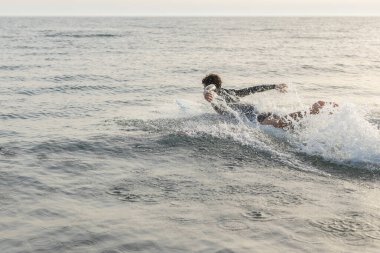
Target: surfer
{"x": 225, "y": 100}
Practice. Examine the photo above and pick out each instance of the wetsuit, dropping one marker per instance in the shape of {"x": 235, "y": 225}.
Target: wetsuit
{"x": 231, "y": 99}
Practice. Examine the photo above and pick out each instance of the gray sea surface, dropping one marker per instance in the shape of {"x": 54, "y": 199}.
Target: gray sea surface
{"x": 107, "y": 145}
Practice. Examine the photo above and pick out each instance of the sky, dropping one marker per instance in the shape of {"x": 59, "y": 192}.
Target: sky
{"x": 190, "y": 7}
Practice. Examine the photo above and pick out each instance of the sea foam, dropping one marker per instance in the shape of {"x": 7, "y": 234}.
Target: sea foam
{"x": 341, "y": 135}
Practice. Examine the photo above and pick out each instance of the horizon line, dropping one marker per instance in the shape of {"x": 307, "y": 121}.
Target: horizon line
{"x": 194, "y": 15}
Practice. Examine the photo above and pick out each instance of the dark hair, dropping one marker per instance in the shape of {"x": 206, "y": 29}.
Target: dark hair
{"x": 212, "y": 79}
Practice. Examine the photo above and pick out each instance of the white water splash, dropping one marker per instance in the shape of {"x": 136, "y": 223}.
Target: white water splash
{"x": 341, "y": 135}
{"x": 344, "y": 136}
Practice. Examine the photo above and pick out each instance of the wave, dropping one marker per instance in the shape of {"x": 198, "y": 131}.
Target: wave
{"x": 65, "y": 89}
{"x": 332, "y": 69}
{"x": 78, "y": 78}
{"x": 73, "y": 87}
{"x": 114, "y": 147}
{"x": 20, "y": 67}
{"x": 344, "y": 139}
{"x": 345, "y": 136}
{"x": 82, "y": 35}
{"x": 8, "y": 67}
{"x": 320, "y": 37}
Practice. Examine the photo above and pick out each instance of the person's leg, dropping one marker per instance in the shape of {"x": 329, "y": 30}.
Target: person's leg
{"x": 276, "y": 121}
{"x": 316, "y": 107}
{"x": 285, "y": 122}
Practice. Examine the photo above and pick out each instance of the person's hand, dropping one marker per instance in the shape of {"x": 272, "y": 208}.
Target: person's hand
{"x": 208, "y": 96}
{"x": 282, "y": 87}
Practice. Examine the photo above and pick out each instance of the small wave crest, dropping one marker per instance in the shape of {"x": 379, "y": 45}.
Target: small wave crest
{"x": 82, "y": 35}
{"x": 78, "y": 78}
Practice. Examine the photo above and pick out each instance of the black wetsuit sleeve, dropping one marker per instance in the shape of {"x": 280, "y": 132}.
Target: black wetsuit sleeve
{"x": 254, "y": 89}
{"x": 218, "y": 109}
{"x": 221, "y": 110}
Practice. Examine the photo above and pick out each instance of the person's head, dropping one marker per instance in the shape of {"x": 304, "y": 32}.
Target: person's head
{"x": 212, "y": 79}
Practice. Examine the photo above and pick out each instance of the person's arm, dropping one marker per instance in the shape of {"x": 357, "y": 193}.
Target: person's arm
{"x": 218, "y": 108}
{"x": 259, "y": 88}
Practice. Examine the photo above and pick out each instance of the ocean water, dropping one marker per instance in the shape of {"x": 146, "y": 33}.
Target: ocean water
{"x": 107, "y": 144}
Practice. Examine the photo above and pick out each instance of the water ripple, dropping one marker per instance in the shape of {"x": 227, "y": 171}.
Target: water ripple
{"x": 352, "y": 228}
